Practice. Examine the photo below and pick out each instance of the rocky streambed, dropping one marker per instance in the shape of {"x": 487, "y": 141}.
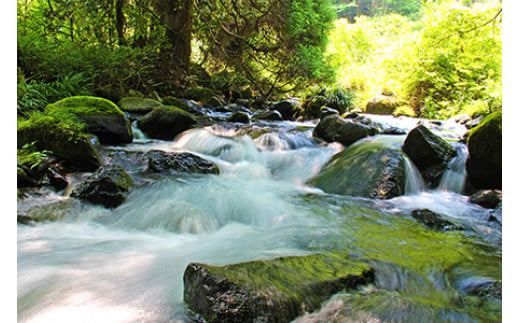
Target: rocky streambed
{"x": 353, "y": 218}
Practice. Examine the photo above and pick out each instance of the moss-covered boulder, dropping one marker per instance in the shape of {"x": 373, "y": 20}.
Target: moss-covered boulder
{"x": 272, "y": 115}
{"x": 484, "y": 165}
{"x": 137, "y": 105}
{"x": 335, "y": 128}
{"x": 166, "y": 122}
{"x": 239, "y": 116}
{"x": 382, "y": 104}
{"x": 102, "y": 117}
{"x": 183, "y": 105}
{"x": 108, "y": 186}
{"x": 364, "y": 171}
{"x": 200, "y": 94}
{"x": 277, "y": 290}
{"x": 64, "y": 140}
{"x": 429, "y": 152}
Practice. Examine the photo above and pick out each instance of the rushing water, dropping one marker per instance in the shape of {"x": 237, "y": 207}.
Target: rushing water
{"x": 126, "y": 265}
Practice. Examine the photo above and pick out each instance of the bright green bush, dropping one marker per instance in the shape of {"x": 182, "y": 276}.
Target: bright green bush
{"x": 336, "y": 98}
{"x": 445, "y": 63}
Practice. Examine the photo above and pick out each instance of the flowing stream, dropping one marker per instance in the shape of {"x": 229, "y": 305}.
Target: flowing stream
{"x": 126, "y": 264}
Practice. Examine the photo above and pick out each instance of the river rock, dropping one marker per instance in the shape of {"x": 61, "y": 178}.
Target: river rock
{"x": 214, "y": 102}
{"x": 287, "y": 109}
{"x": 383, "y": 104}
{"x": 273, "y": 115}
{"x": 108, "y": 186}
{"x": 487, "y": 198}
{"x": 335, "y": 128}
{"x": 373, "y": 174}
{"x": 160, "y": 161}
{"x": 166, "y": 122}
{"x": 200, "y": 94}
{"x": 277, "y": 290}
{"x": 325, "y": 111}
{"x": 433, "y": 220}
{"x": 429, "y": 152}
{"x": 102, "y": 117}
{"x": 484, "y": 165}
{"x": 138, "y": 105}
{"x": 67, "y": 144}
{"x": 240, "y": 117}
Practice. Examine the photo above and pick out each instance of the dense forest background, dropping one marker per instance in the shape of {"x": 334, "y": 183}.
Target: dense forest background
{"x": 437, "y": 58}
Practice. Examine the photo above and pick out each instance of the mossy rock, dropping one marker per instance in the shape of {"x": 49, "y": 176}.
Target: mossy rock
{"x": 484, "y": 164}
{"x": 277, "y": 290}
{"x": 367, "y": 172}
{"x": 335, "y": 128}
{"x": 382, "y": 104}
{"x": 65, "y": 141}
{"x": 200, "y": 94}
{"x": 180, "y": 103}
{"x": 138, "y": 105}
{"x": 102, "y": 117}
{"x": 108, "y": 186}
{"x": 166, "y": 122}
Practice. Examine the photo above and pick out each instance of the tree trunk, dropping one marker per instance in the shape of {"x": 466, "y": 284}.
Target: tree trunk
{"x": 176, "y": 16}
{"x": 120, "y": 22}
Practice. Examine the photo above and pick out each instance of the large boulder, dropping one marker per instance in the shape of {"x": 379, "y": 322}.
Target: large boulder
{"x": 161, "y": 161}
{"x": 183, "y": 104}
{"x": 239, "y": 116}
{"x": 200, "y": 94}
{"x": 383, "y": 104}
{"x": 277, "y": 290}
{"x": 108, "y": 186}
{"x": 137, "y": 105}
{"x": 372, "y": 173}
{"x": 166, "y": 122}
{"x": 288, "y": 109}
{"x": 429, "y": 152}
{"x": 102, "y": 117}
{"x": 273, "y": 115}
{"x": 65, "y": 141}
{"x": 335, "y": 128}
{"x": 487, "y": 198}
{"x": 484, "y": 165}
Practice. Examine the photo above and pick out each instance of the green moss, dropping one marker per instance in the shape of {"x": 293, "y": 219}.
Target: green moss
{"x": 290, "y": 275}
{"x": 83, "y": 106}
{"x": 138, "y": 105}
{"x": 200, "y": 94}
{"x": 63, "y": 137}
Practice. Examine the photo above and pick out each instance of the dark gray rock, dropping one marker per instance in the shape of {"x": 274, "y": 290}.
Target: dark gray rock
{"x": 166, "y": 122}
{"x": 327, "y": 112}
{"x": 277, "y": 290}
{"x": 269, "y": 115}
{"x": 287, "y": 109}
{"x": 429, "y": 152}
{"x": 240, "y": 117}
{"x": 487, "y": 198}
{"x": 161, "y": 161}
{"x": 334, "y": 128}
{"x": 108, "y": 186}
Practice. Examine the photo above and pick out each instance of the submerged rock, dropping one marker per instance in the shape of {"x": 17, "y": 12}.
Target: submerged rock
{"x": 137, "y": 105}
{"x": 166, "y": 122}
{"x": 161, "y": 161}
{"x": 102, "y": 117}
{"x": 335, "y": 128}
{"x": 370, "y": 173}
{"x": 433, "y": 220}
{"x": 429, "y": 152}
{"x": 484, "y": 165}
{"x": 108, "y": 186}
{"x": 276, "y": 290}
